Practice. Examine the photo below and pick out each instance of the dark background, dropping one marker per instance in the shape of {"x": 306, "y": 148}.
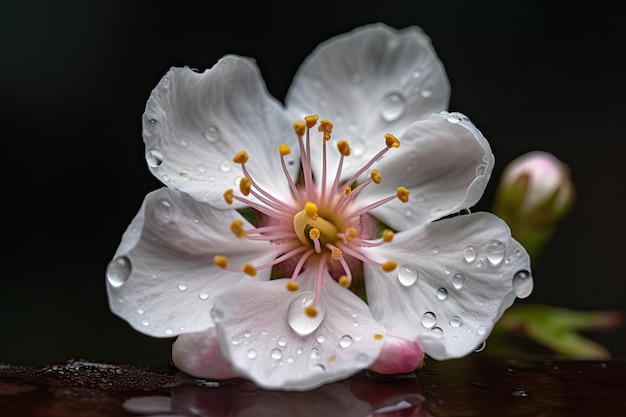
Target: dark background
{"x": 75, "y": 76}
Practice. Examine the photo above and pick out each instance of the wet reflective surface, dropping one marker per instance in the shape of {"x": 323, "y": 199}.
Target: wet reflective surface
{"x": 474, "y": 386}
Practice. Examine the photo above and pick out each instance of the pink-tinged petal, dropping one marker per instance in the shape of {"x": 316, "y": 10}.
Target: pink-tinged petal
{"x": 269, "y": 339}
{"x": 455, "y": 278}
{"x": 163, "y": 278}
{"x": 445, "y": 163}
{"x": 199, "y": 354}
{"x": 194, "y": 123}
{"x": 369, "y": 82}
{"x": 399, "y": 356}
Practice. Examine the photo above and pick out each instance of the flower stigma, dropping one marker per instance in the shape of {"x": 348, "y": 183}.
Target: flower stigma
{"x": 321, "y": 228}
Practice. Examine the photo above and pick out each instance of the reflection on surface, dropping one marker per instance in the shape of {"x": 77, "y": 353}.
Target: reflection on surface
{"x": 360, "y": 396}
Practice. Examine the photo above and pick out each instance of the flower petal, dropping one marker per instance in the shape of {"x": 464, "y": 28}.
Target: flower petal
{"x": 199, "y": 354}
{"x": 266, "y": 335}
{"x": 455, "y": 277}
{"x": 162, "y": 279}
{"x": 445, "y": 162}
{"x": 369, "y": 82}
{"x": 194, "y": 123}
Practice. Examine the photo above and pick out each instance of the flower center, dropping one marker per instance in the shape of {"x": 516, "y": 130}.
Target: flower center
{"x": 322, "y": 226}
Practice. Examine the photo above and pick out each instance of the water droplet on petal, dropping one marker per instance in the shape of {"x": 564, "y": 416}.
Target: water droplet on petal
{"x": 442, "y": 294}
{"x": 407, "y": 274}
{"x": 495, "y": 251}
{"x": 436, "y": 332}
{"x": 458, "y": 280}
{"x": 469, "y": 253}
{"x": 320, "y": 338}
{"x": 392, "y": 107}
{"x": 319, "y": 367}
{"x": 429, "y": 319}
{"x": 225, "y": 166}
{"x": 154, "y": 158}
{"x": 481, "y": 347}
{"x": 480, "y": 170}
{"x": 276, "y": 353}
{"x": 436, "y": 249}
{"x": 315, "y": 353}
{"x": 145, "y": 322}
{"x": 482, "y": 330}
{"x": 141, "y": 310}
{"x": 118, "y": 271}
{"x": 426, "y": 92}
{"x": 522, "y": 284}
{"x": 211, "y": 134}
{"x": 217, "y": 315}
{"x": 251, "y": 354}
{"x": 345, "y": 341}
{"x": 165, "y": 82}
{"x": 204, "y": 294}
{"x": 298, "y": 320}
{"x": 282, "y": 342}
{"x": 168, "y": 331}
{"x": 454, "y": 118}
{"x": 357, "y": 147}
{"x": 362, "y": 360}
{"x": 456, "y": 321}
{"x": 183, "y": 286}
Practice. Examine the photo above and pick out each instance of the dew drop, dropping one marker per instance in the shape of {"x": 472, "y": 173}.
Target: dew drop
{"x": 407, "y": 274}
{"x": 169, "y": 331}
{"x": 481, "y": 347}
{"x": 357, "y": 147}
{"x": 204, "y": 294}
{"x": 436, "y": 249}
{"x": 520, "y": 393}
{"x": 185, "y": 173}
{"x": 217, "y": 315}
{"x": 429, "y": 319}
{"x": 408, "y": 212}
{"x": 362, "y": 360}
{"x": 442, "y": 294}
{"x": 212, "y": 134}
{"x": 320, "y": 338}
{"x": 183, "y": 286}
{"x": 282, "y": 342}
{"x": 436, "y": 332}
{"x": 482, "y": 330}
{"x": 458, "y": 280}
{"x": 291, "y": 359}
{"x": 416, "y": 74}
{"x": 276, "y": 353}
{"x": 495, "y": 251}
{"x": 469, "y": 253}
{"x": 165, "y": 177}
{"x": 522, "y": 284}
{"x": 225, "y": 166}
{"x": 154, "y": 158}
{"x": 118, "y": 271}
{"x": 426, "y": 92}
{"x": 251, "y": 354}
{"x": 141, "y": 310}
{"x": 345, "y": 341}
{"x": 315, "y": 353}
{"x": 454, "y": 118}
{"x": 145, "y": 322}
{"x": 319, "y": 367}
{"x": 392, "y": 107}
{"x": 456, "y": 321}
{"x": 298, "y": 320}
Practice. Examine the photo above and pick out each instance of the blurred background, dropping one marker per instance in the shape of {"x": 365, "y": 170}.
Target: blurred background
{"x": 75, "y": 76}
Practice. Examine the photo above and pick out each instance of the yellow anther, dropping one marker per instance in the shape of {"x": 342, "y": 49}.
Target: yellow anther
{"x": 311, "y": 120}
{"x": 292, "y": 286}
{"x": 248, "y": 269}
{"x": 220, "y": 261}
{"x": 403, "y": 194}
{"x": 336, "y": 254}
{"x": 392, "y": 141}
{"x": 389, "y": 266}
{"x": 228, "y": 196}
{"x": 388, "y": 235}
{"x": 350, "y": 233}
{"x": 245, "y": 185}
{"x": 241, "y": 157}
{"x": 314, "y": 233}
{"x": 310, "y": 311}
{"x": 378, "y": 336}
{"x": 326, "y": 127}
{"x": 347, "y": 191}
{"x": 376, "y": 176}
{"x": 236, "y": 226}
{"x": 344, "y": 281}
{"x": 299, "y": 128}
{"x": 343, "y": 147}
{"x": 310, "y": 209}
{"x": 284, "y": 149}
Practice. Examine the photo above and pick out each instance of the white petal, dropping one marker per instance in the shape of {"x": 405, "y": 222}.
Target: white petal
{"x": 199, "y": 354}
{"x": 258, "y": 339}
{"x": 194, "y": 123}
{"x": 445, "y": 163}
{"x": 461, "y": 269}
{"x": 369, "y": 82}
{"x": 162, "y": 279}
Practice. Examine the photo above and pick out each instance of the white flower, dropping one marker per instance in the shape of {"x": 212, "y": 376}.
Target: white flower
{"x": 191, "y": 264}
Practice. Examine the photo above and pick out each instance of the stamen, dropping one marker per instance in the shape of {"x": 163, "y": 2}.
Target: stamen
{"x": 389, "y": 266}
{"x": 347, "y": 191}
{"x": 386, "y": 238}
{"x": 350, "y": 234}
{"x": 336, "y": 254}
{"x": 378, "y": 336}
{"x": 241, "y": 157}
{"x": 314, "y": 234}
{"x": 376, "y": 176}
{"x": 392, "y": 141}
{"x": 286, "y": 150}
{"x": 245, "y": 185}
{"x": 236, "y": 226}
{"x": 299, "y": 128}
{"x": 403, "y": 194}
{"x": 344, "y": 281}
{"x": 292, "y": 286}
{"x": 220, "y": 261}
{"x": 311, "y": 120}
{"x": 326, "y": 127}
{"x": 248, "y": 269}
{"x": 388, "y": 235}
{"x": 343, "y": 147}
{"x": 228, "y": 196}
{"x": 303, "y": 258}
{"x": 310, "y": 311}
